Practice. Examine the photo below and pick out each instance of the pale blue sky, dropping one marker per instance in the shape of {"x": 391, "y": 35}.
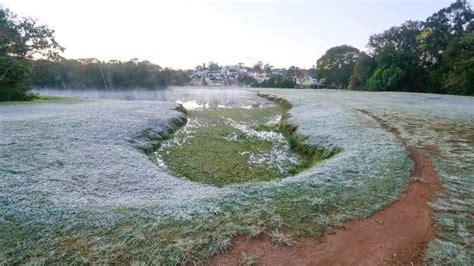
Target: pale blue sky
{"x": 183, "y": 34}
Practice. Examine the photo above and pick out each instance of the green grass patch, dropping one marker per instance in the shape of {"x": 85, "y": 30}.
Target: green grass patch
{"x": 209, "y": 158}
{"x": 266, "y": 127}
{"x": 216, "y": 152}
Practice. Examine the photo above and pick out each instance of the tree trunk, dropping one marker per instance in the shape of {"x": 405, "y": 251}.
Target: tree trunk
{"x": 5, "y": 72}
{"x": 103, "y": 76}
{"x": 61, "y": 78}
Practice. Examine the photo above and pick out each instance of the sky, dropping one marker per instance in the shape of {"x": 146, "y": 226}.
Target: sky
{"x": 184, "y": 34}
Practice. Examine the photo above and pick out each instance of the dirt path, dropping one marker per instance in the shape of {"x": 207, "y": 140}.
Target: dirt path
{"x": 398, "y": 234}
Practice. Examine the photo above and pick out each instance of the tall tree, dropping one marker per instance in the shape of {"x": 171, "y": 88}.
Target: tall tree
{"x": 444, "y": 25}
{"x": 20, "y": 40}
{"x": 363, "y": 69}
{"x": 395, "y": 52}
{"x": 457, "y": 66}
{"x": 336, "y": 65}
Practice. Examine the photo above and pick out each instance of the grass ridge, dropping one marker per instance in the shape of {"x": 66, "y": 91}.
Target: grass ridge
{"x": 310, "y": 153}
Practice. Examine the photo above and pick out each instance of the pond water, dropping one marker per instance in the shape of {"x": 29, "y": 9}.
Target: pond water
{"x": 232, "y": 135}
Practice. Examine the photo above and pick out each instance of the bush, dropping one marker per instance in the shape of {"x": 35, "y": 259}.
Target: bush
{"x": 385, "y": 79}
{"x": 14, "y": 79}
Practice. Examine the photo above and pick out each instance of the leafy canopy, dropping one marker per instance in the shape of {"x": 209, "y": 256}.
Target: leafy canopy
{"x": 435, "y": 55}
{"x": 20, "y": 40}
{"x": 336, "y": 65}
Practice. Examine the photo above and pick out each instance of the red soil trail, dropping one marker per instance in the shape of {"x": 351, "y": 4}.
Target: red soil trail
{"x": 398, "y": 234}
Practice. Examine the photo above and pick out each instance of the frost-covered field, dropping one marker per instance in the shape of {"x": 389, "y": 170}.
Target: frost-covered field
{"x": 442, "y": 127}
{"x": 75, "y": 187}
{"x": 58, "y": 159}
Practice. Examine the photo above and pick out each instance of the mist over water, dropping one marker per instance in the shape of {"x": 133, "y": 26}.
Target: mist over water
{"x": 190, "y": 97}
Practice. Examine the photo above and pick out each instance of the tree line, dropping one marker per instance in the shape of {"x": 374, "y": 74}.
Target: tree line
{"x": 435, "y": 55}
{"x": 92, "y": 73}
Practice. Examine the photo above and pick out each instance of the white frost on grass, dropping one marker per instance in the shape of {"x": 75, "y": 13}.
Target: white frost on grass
{"x": 248, "y": 130}
{"x": 274, "y": 121}
{"x": 425, "y": 120}
{"x": 82, "y": 157}
{"x": 77, "y": 164}
{"x": 279, "y": 158}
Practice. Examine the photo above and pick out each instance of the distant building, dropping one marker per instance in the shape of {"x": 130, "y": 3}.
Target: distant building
{"x": 225, "y": 76}
{"x": 233, "y": 71}
{"x": 214, "y": 78}
{"x": 238, "y": 75}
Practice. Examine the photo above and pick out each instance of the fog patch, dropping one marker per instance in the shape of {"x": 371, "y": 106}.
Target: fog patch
{"x": 190, "y": 97}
